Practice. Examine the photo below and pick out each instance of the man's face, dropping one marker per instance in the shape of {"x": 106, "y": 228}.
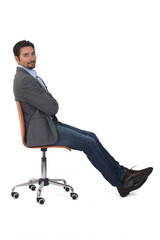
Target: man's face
{"x": 27, "y": 57}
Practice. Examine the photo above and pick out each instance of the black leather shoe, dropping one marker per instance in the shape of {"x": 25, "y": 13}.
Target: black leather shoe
{"x": 133, "y": 180}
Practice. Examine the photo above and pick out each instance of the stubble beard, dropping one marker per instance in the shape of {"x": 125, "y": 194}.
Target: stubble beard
{"x": 32, "y": 65}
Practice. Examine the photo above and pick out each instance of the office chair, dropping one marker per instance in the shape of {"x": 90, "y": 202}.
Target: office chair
{"x": 43, "y": 181}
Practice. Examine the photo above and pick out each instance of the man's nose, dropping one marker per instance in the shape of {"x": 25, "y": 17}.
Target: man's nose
{"x": 32, "y": 58}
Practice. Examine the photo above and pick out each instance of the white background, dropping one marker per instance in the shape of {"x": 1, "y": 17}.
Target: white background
{"x": 100, "y": 60}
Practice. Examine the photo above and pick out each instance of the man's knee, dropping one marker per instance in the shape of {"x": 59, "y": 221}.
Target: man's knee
{"x": 93, "y": 135}
{"x": 90, "y": 143}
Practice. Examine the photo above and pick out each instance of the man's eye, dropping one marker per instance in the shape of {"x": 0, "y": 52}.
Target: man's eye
{"x": 25, "y": 55}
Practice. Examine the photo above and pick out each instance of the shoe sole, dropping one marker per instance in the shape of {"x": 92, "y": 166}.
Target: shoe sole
{"x": 140, "y": 178}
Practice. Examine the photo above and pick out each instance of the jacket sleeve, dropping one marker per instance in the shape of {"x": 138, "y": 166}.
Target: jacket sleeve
{"x": 35, "y": 95}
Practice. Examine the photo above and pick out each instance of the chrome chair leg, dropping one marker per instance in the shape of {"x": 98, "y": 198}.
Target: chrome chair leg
{"x": 66, "y": 187}
{"x": 39, "y": 190}
{"x": 39, "y": 198}
{"x": 59, "y": 180}
{"x": 31, "y": 182}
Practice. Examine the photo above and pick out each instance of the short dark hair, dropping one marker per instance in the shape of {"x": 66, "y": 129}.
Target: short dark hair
{"x": 19, "y": 45}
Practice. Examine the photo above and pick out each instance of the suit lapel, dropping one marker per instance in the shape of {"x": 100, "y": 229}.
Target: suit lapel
{"x": 23, "y": 70}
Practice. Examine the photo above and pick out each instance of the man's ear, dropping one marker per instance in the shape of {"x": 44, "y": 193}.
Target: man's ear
{"x": 17, "y": 59}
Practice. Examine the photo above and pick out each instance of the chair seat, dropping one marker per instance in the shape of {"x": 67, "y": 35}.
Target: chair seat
{"x": 54, "y": 146}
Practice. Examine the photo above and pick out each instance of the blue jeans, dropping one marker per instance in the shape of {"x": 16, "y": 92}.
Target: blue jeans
{"x": 88, "y": 142}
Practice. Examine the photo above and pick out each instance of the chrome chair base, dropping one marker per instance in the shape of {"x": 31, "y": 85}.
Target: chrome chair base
{"x": 44, "y": 181}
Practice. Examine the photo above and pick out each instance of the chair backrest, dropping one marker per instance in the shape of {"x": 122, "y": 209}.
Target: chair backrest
{"x": 22, "y": 124}
{"x": 22, "y": 127}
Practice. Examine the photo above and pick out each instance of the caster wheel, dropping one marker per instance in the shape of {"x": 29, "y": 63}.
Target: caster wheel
{"x": 15, "y": 195}
{"x": 32, "y": 187}
{"x": 67, "y": 189}
{"x": 40, "y": 200}
{"x": 74, "y": 196}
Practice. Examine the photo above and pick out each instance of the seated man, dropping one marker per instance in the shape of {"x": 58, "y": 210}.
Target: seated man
{"x": 43, "y": 128}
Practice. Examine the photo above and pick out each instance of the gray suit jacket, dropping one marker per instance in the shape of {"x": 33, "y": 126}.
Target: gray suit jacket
{"x": 37, "y": 105}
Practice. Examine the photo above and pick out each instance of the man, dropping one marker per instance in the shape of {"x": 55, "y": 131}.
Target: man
{"x": 42, "y": 127}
